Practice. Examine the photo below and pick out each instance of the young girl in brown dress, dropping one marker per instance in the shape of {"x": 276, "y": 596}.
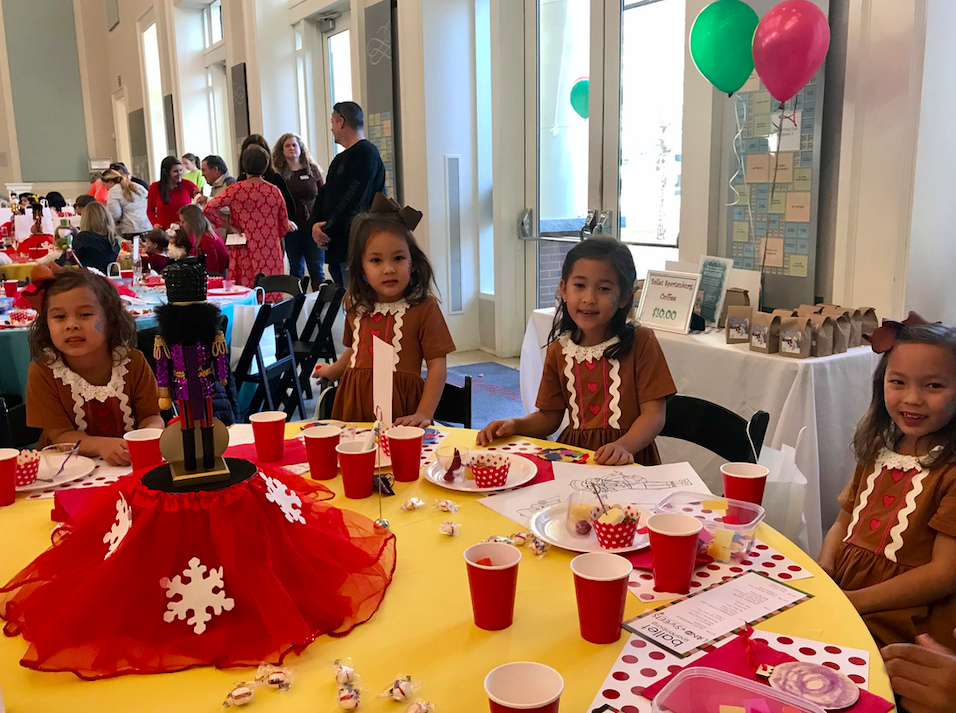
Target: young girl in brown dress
{"x": 608, "y": 373}
{"x": 893, "y": 547}
{"x": 390, "y": 297}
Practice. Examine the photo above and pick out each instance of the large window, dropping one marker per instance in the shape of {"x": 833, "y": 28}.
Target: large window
{"x": 154, "y": 98}
{"x": 340, "y": 70}
{"x": 212, "y": 23}
{"x": 218, "y": 98}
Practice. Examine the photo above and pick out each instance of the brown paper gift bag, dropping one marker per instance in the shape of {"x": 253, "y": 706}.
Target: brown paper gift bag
{"x": 785, "y": 313}
{"x": 736, "y": 297}
{"x": 796, "y": 337}
{"x": 855, "y": 319}
{"x": 738, "y": 324}
{"x": 823, "y": 327}
{"x": 841, "y": 332}
{"x": 807, "y": 310}
{"x": 870, "y": 320}
{"x": 765, "y": 333}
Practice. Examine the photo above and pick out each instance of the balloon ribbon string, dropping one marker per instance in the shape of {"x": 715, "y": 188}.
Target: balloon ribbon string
{"x": 741, "y": 169}
{"x": 773, "y": 188}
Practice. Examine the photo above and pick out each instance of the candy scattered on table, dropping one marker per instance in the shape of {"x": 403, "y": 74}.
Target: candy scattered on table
{"x": 519, "y": 538}
{"x": 447, "y": 506}
{"x": 344, "y": 672}
{"x": 240, "y": 695}
{"x": 401, "y": 688}
{"x": 421, "y": 706}
{"x": 412, "y": 504}
{"x": 278, "y": 678}
{"x": 450, "y": 528}
{"x": 537, "y": 546}
{"x": 348, "y": 697}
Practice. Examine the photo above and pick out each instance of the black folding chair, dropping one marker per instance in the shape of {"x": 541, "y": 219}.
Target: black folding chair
{"x": 287, "y": 284}
{"x": 316, "y": 342}
{"x": 715, "y": 428}
{"x": 14, "y": 432}
{"x": 273, "y": 381}
{"x": 455, "y": 404}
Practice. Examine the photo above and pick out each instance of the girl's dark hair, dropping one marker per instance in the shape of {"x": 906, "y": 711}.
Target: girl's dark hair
{"x": 164, "y": 170}
{"x": 877, "y": 429}
{"x": 56, "y": 200}
{"x": 621, "y": 260}
{"x": 83, "y": 201}
{"x": 159, "y": 237}
{"x": 254, "y": 140}
{"x": 364, "y": 226}
{"x": 120, "y": 325}
{"x": 180, "y": 238}
{"x": 191, "y": 157}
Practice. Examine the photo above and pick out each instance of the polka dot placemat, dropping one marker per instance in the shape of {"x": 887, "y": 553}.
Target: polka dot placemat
{"x": 103, "y": 475}
{"x": 641, "y": 664}
{"x": 516, "y": 447}
{"x": 763, "y": 559}
{"x": 430, "y": 443}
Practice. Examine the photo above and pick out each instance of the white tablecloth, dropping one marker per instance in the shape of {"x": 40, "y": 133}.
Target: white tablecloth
{"x": 827, "y": 394}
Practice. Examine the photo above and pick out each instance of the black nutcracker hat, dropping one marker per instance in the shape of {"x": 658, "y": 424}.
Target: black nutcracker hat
{"x": 186, "y": 280}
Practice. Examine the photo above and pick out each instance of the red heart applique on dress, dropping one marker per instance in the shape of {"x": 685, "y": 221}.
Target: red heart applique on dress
{"x": 376, "y": 333}
{"x": 370, "y": 349}
{"x": 594, "y": 409}
{"x": 377, "y": 317}
{"x": 897, "y": 475}
{"x": 874, "y": 523}
{"x": 592, "y": 386}
{"x": 888, "y": 500}
{"x": 590, "y": 363}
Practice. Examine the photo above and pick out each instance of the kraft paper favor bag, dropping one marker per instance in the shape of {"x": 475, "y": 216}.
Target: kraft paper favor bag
{"x": 823, "y": 327}
{"x": 870, "y": 320}
{"x": 785, "y": 313}
{"x": 736, "y": 297}
{"x": 796, "y": 337}
{"x": 807, "y": 310}
{"x": 841, "y": 332}
{"x": 855, "y": 319}
{"x": 765, "y": 333}
{"x": 738, "y": 324}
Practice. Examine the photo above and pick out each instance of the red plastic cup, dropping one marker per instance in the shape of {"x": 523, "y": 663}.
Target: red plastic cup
{"x": 143, "y": 445}
{"x": 268, "y": 431}
{"x": 10, "y": 288}
{"x": 357, "y": 467}
{"x": 600, "y": 586}
{"x": 673, "y": 550}
{"x": 8, "y": 470}
{"x": 493, "y": 585}
{"x": 405, "y": 450}
{"x": 524, "y": 686}
{"x": 126, "y": 274}
{"x": 744, "y": 481}
{"x": 320, "y": 443}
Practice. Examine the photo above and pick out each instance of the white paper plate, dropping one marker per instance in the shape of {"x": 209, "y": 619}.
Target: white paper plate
{"x": 223, "y": 292}
{"x": 549, "y": 525}
{"x": 521, "y": 471}
{"x": 78, "y": 467}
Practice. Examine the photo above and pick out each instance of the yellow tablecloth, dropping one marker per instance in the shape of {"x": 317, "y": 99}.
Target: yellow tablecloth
{"x": 17, "y": 271}
{"x": 423, "y": 628}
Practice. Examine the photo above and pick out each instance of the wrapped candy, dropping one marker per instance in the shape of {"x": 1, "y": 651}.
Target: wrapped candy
{"x": 412, "y": 504}
{"x": 240, "y": 695}
{"x": 449, "y": 506}
{"x": 345, "y": 672}
{"x": 348, "y": 697}
{"x": 421, "y": 706}
{"x": 502, "y": 540}
{"x": 278, "y": 678}
{"x": 538, "y": 546}
{"x": 401, "y": 689}
{"x": 450, "y": 528}
{"x": 519, "y": 538}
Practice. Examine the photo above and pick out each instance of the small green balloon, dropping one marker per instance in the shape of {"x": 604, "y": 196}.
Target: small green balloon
{"x": 580, "y": 94}
{"x": 721, "y": 43}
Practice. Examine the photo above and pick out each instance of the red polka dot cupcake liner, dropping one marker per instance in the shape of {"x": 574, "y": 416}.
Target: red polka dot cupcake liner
{"x": 383, "y": 442}
{"x": 28, "y": 468}
{"x": 614, "y": 537}
{"x": 490, "y": 470}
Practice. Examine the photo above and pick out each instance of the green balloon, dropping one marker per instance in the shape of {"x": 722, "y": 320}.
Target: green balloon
{"x": 580, "y": 94}
{"x": 721, "y": 43}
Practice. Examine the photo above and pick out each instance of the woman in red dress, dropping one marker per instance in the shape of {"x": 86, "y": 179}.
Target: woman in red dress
{"x": 258, "y": 210}
{"x": 170, "y": 193}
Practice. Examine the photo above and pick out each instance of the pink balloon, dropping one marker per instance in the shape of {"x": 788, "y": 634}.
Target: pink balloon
{"x": 789, "y": 46}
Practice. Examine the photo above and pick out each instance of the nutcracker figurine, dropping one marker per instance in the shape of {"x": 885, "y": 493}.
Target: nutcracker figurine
{"x": 191, "y": 355}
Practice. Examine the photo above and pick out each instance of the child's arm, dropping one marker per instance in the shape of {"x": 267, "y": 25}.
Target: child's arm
{"x": 434, "y": 384}
{"x": 645, "y": 429}
{"x": 827, "y": 558}
{"x": 539, "y": 424}
{"x": 921, "y": 585}
{"x": 113, "y": 450}
{"x": 154, "y": 421}
{"x": 333, "y": 372}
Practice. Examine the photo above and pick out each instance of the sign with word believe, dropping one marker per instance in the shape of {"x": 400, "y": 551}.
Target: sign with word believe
{"x": 667, "y": 301}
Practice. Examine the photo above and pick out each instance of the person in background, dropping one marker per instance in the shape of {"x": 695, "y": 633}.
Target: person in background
{"x": 292, "y": 161}
{"x": 97, "y": 244}
{"x": 353, "y": 179}
{"x": 121, "y": 168}
{"x": 56, "y": 201}
{"x": 156, "y": 244}
{"x": 98, "y": 189}
{"x": 126, "y": 203}
{"x": 217, "y": 176}
{"x": 26, "y": 200}
{"x": 193, "y": 172}
{"x": 170, "y": 193}
{"x": 204, "y": 239}
{"x": 270, "y": 175}
{"x": 81, "y": 202}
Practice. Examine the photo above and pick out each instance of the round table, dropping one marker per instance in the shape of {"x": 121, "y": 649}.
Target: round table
{"x": 424, "y": 627}
{"x": 19, "y": 271}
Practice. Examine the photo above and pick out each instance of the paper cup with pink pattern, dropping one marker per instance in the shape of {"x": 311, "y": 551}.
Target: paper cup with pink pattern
{"x": 28, "y": 468}
{"x": 490, "y": 469}
{"x": 619, "y": 535}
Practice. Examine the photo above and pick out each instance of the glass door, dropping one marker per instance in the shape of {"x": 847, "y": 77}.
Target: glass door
{"x": 338, "y": 54}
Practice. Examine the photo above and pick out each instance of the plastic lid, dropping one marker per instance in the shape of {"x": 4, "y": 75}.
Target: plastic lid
{"x": 713, "y": 511}
{"x": 705, "y": 690}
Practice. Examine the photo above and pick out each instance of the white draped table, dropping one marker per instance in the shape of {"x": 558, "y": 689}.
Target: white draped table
{"x": 826, "y": 394}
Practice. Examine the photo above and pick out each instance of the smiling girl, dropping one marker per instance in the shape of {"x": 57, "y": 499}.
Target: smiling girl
{"x": 87, "y": 382}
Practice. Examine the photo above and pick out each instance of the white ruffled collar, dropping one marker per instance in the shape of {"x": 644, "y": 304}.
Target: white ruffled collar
{"x": 581, "y": 353}
{"x": 94, "y": 392}
{"x": 897, "y": 461}
{"x": 397, "y": 307}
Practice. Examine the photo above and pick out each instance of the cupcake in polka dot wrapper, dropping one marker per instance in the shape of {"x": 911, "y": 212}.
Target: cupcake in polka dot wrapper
{"x": 616, "y": 526}
{"x": 28, "y": 467}
{"x": 490, "y": 470}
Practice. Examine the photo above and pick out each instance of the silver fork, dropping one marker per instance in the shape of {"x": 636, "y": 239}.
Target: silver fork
{"x": 69, "y": 455}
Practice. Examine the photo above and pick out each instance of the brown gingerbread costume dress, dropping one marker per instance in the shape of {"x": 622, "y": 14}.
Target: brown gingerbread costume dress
{"x": 604, "y": 396}
{"x": 417, "y": 333}
{"x": 897, "y": 507}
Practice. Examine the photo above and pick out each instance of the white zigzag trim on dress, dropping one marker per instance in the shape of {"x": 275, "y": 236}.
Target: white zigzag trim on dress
{"x": 356, "y": 331}
{"x": 864, "y": 498}
{"x": 83, "y": 391}
{"x": 614, "y": 405}
{"x": 580, "y": 353}
{"x": 902, "y": 520}
{"x": 569, "y": 375}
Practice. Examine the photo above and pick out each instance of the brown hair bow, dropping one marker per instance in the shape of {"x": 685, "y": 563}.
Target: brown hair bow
{"x": 884, "y": 337}
{"x": 40, "y": 279}
{"x": 408, "y": 215}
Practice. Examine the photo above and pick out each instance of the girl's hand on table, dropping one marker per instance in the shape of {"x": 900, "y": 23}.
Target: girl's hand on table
{"x": 923, "y": 675}
{"x": 613, "y": 454}
{"x": 503, "y": 428}
{"x": 114, "y": 451}
{"x": 415, "y": 419}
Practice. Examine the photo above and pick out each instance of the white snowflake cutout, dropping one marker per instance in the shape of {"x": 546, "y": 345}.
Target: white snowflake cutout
{"x": 199, "y": 595}
{"x": 286, "y": 499}
{"x": 124, "y": 521}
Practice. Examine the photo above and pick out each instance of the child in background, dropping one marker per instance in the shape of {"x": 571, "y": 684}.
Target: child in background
{"x": 390, "y": 296}
{"x": 892, "y": 549}
{"x": 609, "y": 373}
{"x": 156, "y": 243}
{"x": 204, "y": 239}
{"x": 87, "y": 382}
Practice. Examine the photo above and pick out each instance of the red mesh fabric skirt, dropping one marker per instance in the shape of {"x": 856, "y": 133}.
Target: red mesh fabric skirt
{"x": 145, "y": 581}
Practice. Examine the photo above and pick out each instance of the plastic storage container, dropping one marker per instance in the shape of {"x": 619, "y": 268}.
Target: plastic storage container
{"x": 729, "y": 525}
{"x": 705, "y": 690}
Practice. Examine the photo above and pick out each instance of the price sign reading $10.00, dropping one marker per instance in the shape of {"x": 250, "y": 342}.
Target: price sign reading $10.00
{"x": 667, "y": 300}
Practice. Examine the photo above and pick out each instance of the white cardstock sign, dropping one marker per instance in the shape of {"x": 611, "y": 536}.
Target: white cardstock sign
{"x": 667, "y": 300}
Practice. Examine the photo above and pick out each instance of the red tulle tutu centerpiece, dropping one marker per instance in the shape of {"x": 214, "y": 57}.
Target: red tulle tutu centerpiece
{"x": 149, "y": 581}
